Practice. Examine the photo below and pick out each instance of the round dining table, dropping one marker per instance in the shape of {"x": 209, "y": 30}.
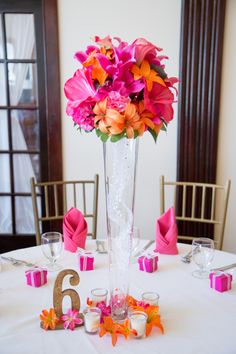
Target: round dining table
{"x": 196, "y": 318}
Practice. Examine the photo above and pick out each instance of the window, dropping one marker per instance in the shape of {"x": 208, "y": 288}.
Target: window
{"x": 25, "y": 113}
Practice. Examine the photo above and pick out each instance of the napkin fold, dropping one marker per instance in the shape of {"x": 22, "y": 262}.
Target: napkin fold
{"x": 167, "y": 233}
{"x": 74, "y": 230}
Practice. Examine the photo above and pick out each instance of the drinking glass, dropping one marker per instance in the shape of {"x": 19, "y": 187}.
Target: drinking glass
{"x": 203, "y": 253}
{"x": 51, "y": 244}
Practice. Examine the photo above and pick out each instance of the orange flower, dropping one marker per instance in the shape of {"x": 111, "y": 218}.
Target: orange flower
{"x": 98, "y": 73}
{"x": 131, "y": 301}
{"x": 153, "y": 320}
{"x": 132, "y": 120}
{"x": 108, "y": 326}
{"x": 49, "y": 319}
{"x": 147, "y": 73}
{"x": 146, "y": 119}
{"x": 124, "y": 328}
{"x": 109, "y": 121}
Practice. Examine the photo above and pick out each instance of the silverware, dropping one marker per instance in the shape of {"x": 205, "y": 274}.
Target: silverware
{"x": 15, "y": 261}
{"x": 187, "y": 257}
{"x": 137, "y": 254}
{"x": 101, "y": 247}
{"x": 230, "y": 266}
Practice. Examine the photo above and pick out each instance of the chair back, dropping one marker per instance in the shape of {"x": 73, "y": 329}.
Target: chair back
{"x": 57, "y": 197}
{"x": 196, "y": 202}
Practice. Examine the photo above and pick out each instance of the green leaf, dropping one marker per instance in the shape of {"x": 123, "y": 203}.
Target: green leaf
{"x": 164, "y": 126}
{"x": 153, "y": 133}
{"x": 104, "y": 137}
{"x": 98, "y": 132}
{"x": 159, "y": 70}
{"x": 117, "y": 137}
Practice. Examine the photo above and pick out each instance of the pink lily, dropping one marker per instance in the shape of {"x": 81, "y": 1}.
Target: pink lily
{"x": 71, "y": 319}
{"x": 159, "y": 101}
{"x": 144, "y": 48}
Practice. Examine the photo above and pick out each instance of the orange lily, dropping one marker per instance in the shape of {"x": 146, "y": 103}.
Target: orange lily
{"x": 124, "y": 328}
{"x": 98, "y": 73}
{"x": 109, "y": 121}
{"x": 153, "y": 320}
{"x": 132, "y": 120}
{"x": 146, "y": 72}
{"x": 146, "y": 119}
{"x": 131, "y": 301}
{"x": 49, "y": 319}
{"x": 109, "y": 327}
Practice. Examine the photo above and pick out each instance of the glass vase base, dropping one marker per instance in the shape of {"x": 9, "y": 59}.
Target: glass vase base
{"x": 200, "y": 274}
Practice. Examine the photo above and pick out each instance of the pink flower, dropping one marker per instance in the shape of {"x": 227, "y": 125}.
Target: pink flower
{"x": 105, "y": 42}
{"x": 143, "y": 48}
{"x": 82, "y": 115}
{"x": 116, "y": 101}
{"x": 71, "y": 319}
{"x": 105, "y": 310}
{"x": 159, "y": 101}
{"x": 80, "y": 87}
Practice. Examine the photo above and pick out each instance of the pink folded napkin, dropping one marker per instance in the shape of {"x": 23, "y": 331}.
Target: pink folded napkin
{"x": 166, "y": 233}
{"x": 74, "y": 230}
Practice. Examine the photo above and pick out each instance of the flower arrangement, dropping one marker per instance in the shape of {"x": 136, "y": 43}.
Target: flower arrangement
{"x": 121, "y": 91}
{"x": 71, "y": 319}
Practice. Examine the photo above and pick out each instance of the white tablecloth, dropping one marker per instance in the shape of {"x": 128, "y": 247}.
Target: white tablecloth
{"x": 196, "y": 318}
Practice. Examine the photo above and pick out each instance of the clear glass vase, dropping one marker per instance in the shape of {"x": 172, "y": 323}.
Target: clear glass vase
{"x": 120, "y": 161}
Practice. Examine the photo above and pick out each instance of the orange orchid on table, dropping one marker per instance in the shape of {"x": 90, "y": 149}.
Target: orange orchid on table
{"x": 108, "y": 326}
{"x": 113, "y": 328}
{"x": 49, "y": 319}
{"x": 153, "y": 320}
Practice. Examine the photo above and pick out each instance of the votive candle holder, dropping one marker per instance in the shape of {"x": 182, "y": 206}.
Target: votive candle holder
{"x": 150, "y": 298}
{"x": 92, "y": 317}
{"x": 138, "y": 321}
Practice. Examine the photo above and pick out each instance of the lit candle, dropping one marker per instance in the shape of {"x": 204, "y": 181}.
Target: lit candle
{"x": 138, "y": 321}
{"x": 92, "y": 317}
{"x": 99, "y": 295}
{"x": 150, "y": 298}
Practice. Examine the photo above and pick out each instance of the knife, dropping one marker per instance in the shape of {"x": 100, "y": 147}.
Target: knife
{"x": 230, "y": 266}
{"x": 137, "y": 254}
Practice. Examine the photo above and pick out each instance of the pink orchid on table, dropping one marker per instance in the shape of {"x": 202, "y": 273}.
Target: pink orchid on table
{"x": 71, "y": 319}
{"x": 121, "y": 90}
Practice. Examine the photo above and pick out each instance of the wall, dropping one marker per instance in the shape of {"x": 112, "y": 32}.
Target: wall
{"x": 159, "y": 22}
{"x": 226, "y": 162}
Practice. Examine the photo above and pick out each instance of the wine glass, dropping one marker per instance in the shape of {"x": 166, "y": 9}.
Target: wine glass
{"x": 51, "y": 243}
{"x": 135, "y": 237}
{"x": 203, "y": 253}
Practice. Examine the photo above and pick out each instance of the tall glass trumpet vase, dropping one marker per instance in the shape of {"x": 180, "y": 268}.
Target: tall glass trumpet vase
{"x": 120, "y": 161}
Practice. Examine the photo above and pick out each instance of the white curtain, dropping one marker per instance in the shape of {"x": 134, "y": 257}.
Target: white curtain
{"x": 20, "y": 31}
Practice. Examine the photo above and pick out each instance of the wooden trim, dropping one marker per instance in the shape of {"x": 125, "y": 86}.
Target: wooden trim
{"x": 53, "y": 93}
{"x": 201, "y": 48}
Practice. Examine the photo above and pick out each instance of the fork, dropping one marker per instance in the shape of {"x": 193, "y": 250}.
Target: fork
{"x": 15, "y": 261}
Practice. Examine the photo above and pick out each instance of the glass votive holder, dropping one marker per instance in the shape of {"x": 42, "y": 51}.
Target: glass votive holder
{"x": 138, "y": 321}
{"x": 92, "y": 316}
{"x": 99, "y": 295}
{"x": 150, "y": 298}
